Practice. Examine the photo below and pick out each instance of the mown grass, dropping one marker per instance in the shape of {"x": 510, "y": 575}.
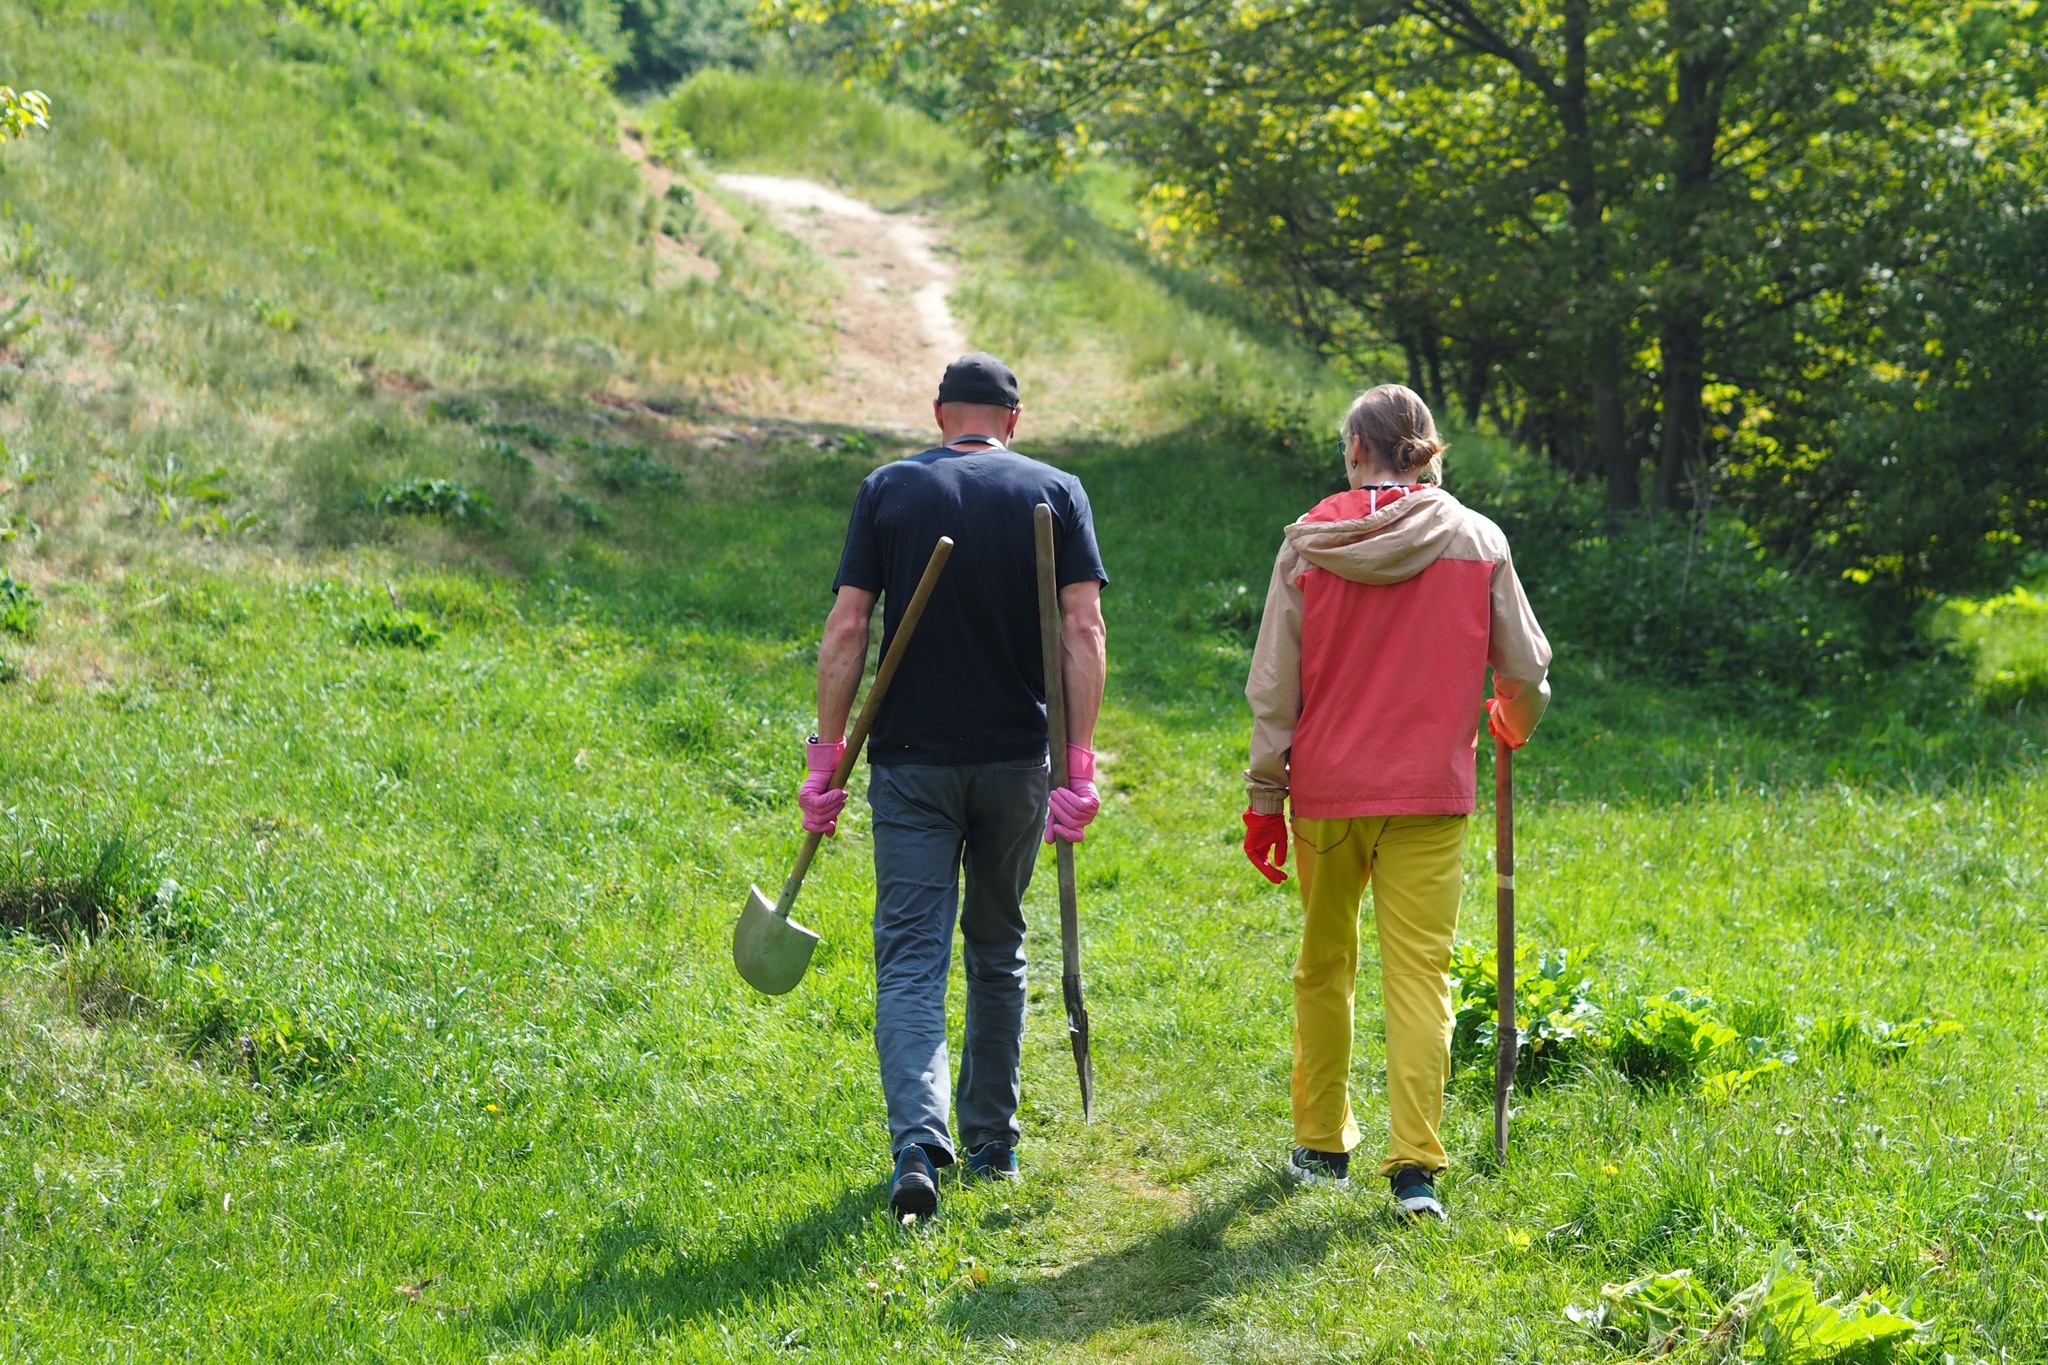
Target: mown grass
{"x": 450, "y": 1062}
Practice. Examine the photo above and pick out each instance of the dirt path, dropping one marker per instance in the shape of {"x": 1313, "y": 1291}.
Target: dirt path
{"x": 895, "y": 329}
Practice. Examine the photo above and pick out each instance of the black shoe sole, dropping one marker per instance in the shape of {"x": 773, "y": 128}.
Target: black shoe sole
{"x": 914, "y": 1198}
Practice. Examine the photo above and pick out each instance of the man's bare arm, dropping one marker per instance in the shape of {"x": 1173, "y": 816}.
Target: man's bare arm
{"x": 842, "y": 656}
{"x": 1084, "y": 655}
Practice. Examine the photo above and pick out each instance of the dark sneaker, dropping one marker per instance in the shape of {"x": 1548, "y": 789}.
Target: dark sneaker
{"x": 915, "y": 1189}
{"x": 1320, "y": 1168}
{"x": 991, "y": 1161}
{"x": 1415, "y": 1195}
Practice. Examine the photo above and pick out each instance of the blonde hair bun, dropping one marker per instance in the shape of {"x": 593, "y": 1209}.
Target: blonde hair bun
{"x": 1393, "y": 420}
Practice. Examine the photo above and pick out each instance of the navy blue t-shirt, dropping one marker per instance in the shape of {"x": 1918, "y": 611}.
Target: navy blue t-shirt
{"x": 971, "y": 688}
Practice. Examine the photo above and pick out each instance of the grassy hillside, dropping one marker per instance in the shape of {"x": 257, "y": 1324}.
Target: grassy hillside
{"x": 367, "y": 871}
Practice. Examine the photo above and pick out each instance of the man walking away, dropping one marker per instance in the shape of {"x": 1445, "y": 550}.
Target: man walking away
{"x": 958, "y": 759}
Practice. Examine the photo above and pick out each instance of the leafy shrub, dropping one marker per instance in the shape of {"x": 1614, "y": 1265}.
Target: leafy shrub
{"x": 397, "y": 629}
{"x": 2005, "y": 639}
{"x": 1691, "y": 604}
{"x": 629, "y": 469}
{"x": 538, "y": 437}
{"x": 1780, "y": 1318}
{"x": 19, "y": 607}
{"x": 584, "y": 512}
{"x": 444, "y": 499}
{"x": 1848, "y": 1035}
{"x": 1676, "y": 1040}
{"x": 1554, "y": 1012}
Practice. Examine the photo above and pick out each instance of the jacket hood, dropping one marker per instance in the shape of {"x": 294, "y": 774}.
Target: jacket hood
{"x": 1389, "y": 545}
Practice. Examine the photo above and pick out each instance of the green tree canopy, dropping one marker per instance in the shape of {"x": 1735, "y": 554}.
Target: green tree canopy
{"x": 1706, "y": 249}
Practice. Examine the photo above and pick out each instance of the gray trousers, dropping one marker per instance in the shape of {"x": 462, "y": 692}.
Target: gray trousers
{"x": 929, "y": 822}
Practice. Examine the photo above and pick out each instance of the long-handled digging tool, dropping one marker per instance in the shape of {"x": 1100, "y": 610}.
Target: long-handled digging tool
{"x": 1056, "y": 745}
{"x": 771, "y": 950}
{"x": 1508, "y": 1039}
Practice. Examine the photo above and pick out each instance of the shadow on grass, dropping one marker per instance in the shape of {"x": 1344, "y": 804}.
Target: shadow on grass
{"x": 1180, "y": 1271}
{"x": 636, "y": 1274}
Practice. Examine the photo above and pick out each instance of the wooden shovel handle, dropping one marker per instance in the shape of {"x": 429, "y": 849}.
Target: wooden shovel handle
{"x": 877, "y": 690}
{"x": 1507, "y": 1040}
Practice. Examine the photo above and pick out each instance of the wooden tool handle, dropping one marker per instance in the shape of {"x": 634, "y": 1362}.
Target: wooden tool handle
{"x": 1049, "y": 644}
{"x": 1053, "y": 653}
{"x": 884, "y": 675}
{"x": 1508, "y": 1040}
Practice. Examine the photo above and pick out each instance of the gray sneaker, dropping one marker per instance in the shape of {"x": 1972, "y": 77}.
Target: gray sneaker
{"x": 1415, "y": 1195}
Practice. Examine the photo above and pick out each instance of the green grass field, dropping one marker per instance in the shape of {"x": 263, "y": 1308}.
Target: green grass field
{"x": 368, "y": 875}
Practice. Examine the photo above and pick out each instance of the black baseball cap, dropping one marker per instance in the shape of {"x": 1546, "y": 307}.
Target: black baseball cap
{"x": 979, "y": 377}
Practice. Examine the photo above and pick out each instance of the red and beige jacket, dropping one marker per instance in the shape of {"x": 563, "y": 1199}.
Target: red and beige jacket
{"x": 1386, "y": 608}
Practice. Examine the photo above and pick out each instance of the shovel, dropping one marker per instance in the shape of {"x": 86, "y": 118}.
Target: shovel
{"x": 1508, "y": 1037}
{"x": 771, "y": 950}
{"x": 1056, "y": 747}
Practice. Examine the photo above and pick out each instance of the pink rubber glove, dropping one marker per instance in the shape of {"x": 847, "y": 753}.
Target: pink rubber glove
{"x": 1498, "y": 730}
{"x": 1265, "y": 843}
{"x": 1070, "y": 808}
{"x": 821, "y": 802}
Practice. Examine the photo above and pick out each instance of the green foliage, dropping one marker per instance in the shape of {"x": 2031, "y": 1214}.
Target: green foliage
{"x": 396, "y": 629}
{"x": 622, "y": 468}
{"x": 651, "y": 43}
{"x": 21, "y": 111}
{"x": 2006, "y": 641}
{"x": 1570, "y": 219}
{"x": 443, "y": 499}
{"x": 20, "y": 608}
{"x": 1780, "y": 1319}
{"x": 1847, "y": 1035}
{"x": 1556, "y": 1015}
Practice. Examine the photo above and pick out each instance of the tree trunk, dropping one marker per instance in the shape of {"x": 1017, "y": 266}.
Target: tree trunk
{"x": 1684, "y": 337}
{"x": 1616, "y": 453}
{"x": 1692, "y": 128}
{"x": 1605, "y": 370}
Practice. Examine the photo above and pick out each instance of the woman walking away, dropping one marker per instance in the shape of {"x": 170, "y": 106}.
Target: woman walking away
{"x": 1388, "y": 603}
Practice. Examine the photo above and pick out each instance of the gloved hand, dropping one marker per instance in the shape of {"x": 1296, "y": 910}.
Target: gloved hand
{"x": 1499, "y": 731}
{"x": 821, "y": 802}
{"x": 1070, "y": 808}
{"x": 1265, "y": 843}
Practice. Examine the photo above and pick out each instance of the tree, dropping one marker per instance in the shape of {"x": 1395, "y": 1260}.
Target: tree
{"x": 1640, "y": 235}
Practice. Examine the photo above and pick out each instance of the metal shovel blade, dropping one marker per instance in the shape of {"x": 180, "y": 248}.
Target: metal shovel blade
{"x": 771, "y": 953}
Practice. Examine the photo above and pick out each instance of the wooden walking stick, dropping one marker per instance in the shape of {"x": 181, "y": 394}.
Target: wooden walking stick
{"x": 1508, "y": 1039}
{"x": 1056, "y": 747}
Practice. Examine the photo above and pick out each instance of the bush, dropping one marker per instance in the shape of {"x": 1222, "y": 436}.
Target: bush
{"x": 629, "y": 469}
{"x": 1693, "y": 603}
{"x": 444, "y": 499}
{"x": 1554, "y": 1010}
{"x": 397, "y": 629}
{"x": 2005, "y": 639}
{"x": 19, "y": 607}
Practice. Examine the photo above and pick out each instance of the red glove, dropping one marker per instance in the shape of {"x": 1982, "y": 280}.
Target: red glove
{"x": 819, "y": 800}
{"x": 1069, "y": 809}
{"x": 1498, "y": 730}
{"x": 1265, "y": 843}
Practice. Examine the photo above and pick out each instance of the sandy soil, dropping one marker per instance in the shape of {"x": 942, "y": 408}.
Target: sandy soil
{"x": 895, "y": 330}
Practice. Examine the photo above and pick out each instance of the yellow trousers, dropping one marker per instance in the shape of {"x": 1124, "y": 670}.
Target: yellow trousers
{"x": 1414, "y": 863}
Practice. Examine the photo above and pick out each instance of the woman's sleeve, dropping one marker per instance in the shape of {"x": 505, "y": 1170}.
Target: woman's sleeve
{"x": 1519, "y": 654}
{"x": 1274, "y": 688}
